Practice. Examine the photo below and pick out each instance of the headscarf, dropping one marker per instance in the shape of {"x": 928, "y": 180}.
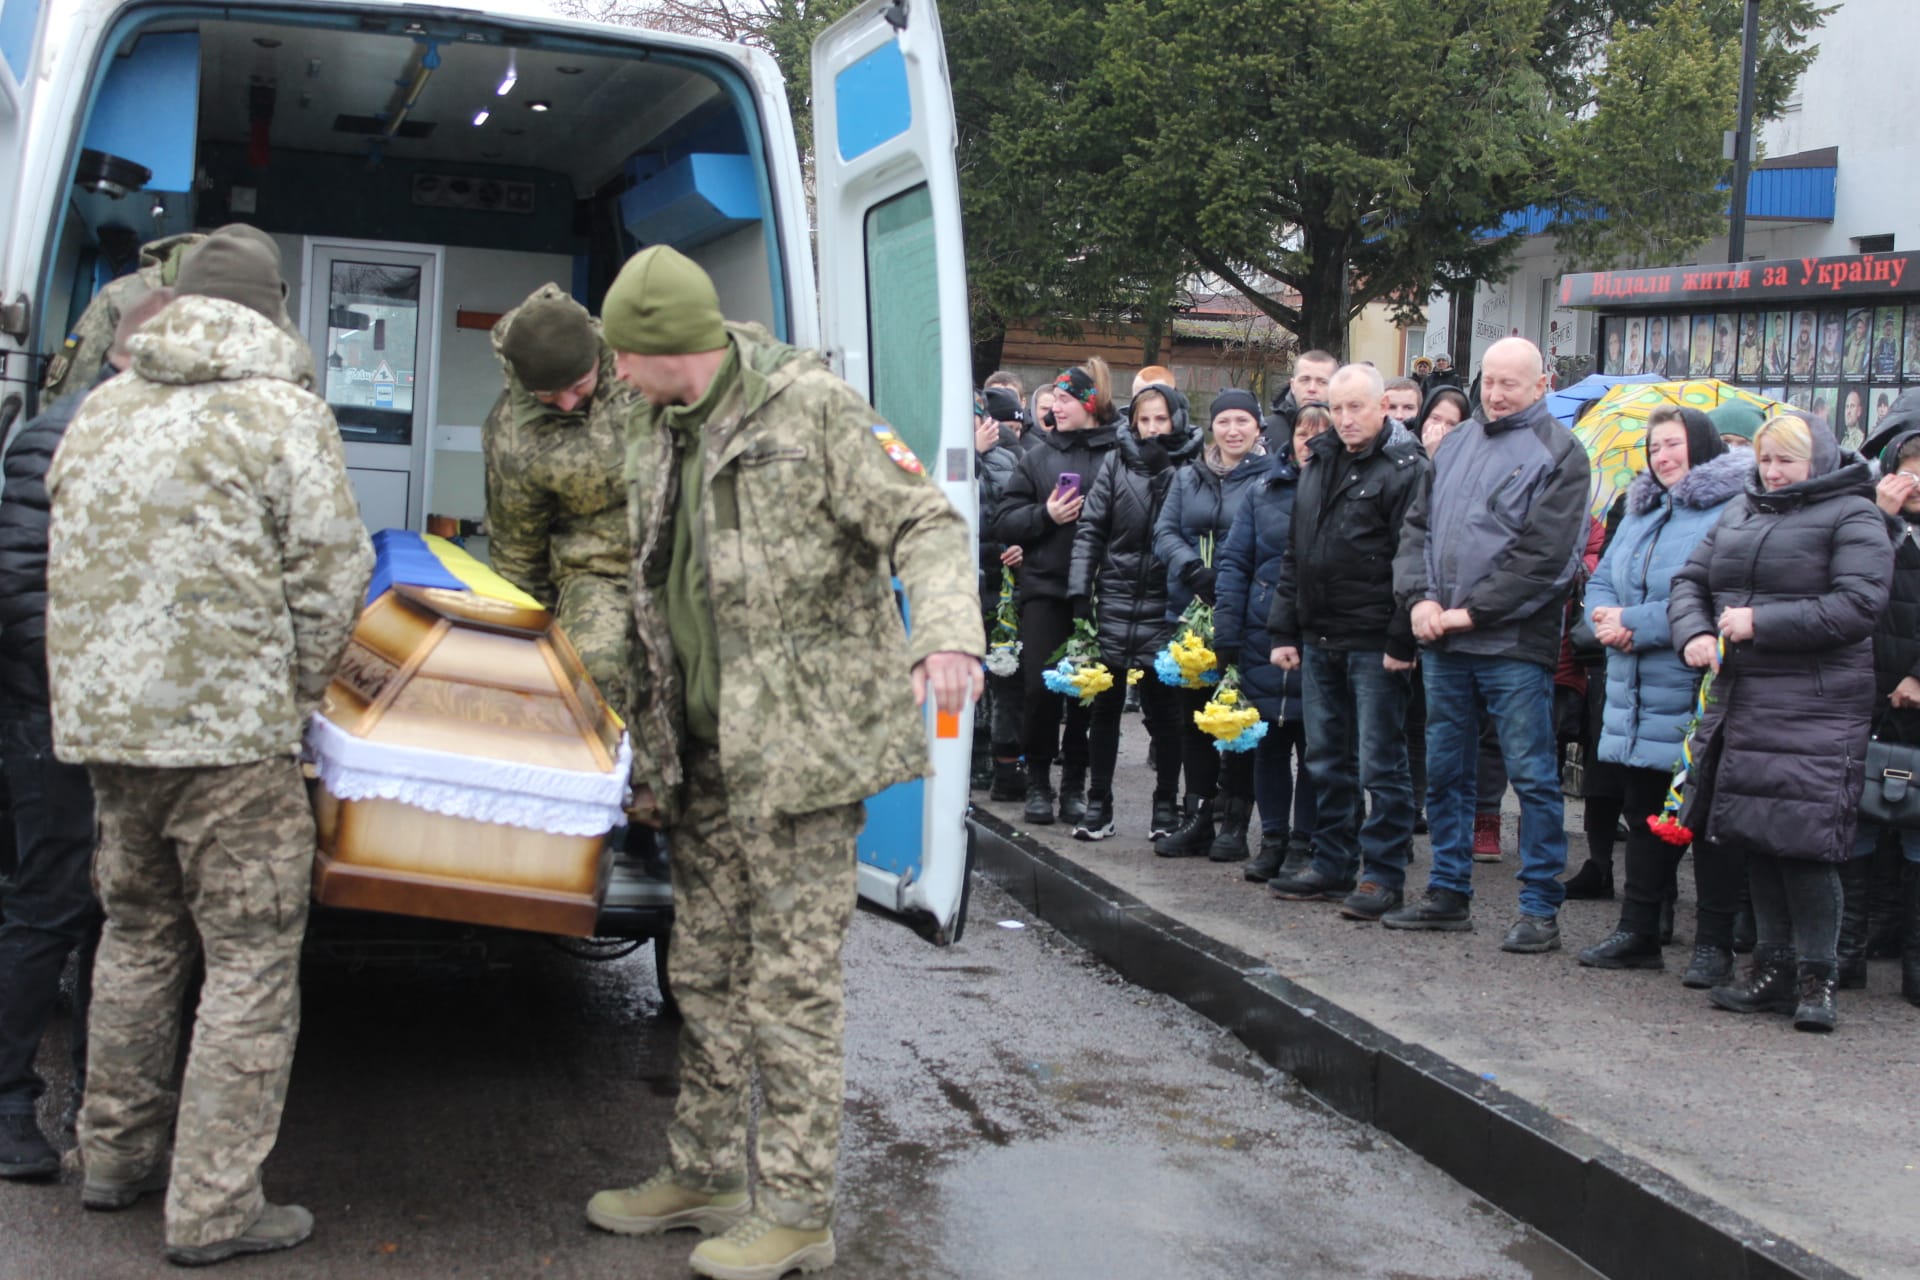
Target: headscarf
{"x": 1703, "y": 440}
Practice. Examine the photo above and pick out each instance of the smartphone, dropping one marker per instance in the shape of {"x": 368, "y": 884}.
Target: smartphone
{"x": 1067, "y": 486}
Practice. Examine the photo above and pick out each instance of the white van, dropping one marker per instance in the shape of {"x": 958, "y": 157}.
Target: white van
{"x": 423, "y": 168}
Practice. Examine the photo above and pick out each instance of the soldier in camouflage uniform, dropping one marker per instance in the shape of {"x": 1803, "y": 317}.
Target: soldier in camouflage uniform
{"x": 206, "y": 563}
{"x": 80, "y": 356}
{"x": 556, "y": 502}
{"x": 771, "y": 696}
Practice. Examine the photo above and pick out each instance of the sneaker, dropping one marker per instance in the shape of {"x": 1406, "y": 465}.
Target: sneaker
{"x": 279, "y": 1226}
{"x": 1623, "y": 949}
{"x": 1711, "y": 967}
{"x": 1310, "y": 886}
{"x": 1097, "y": 822}
{"x": 661, "y": 1204}
{"x": 1486, "y": 837}
{"x": 109, "y": 1195}
{"x": 1370, "y": 901}
{"x": 1039, "y": 810}
{"x": 1166, "y": 817}
{"x": 1440, "y": 909}
{"x": 25, "y": 1152}
{"x": 1531, "y": 935}
{"x": 756, "y": 1249}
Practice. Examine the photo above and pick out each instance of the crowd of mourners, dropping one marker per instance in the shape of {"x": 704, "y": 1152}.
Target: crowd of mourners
{"x": 1410, "y": 585}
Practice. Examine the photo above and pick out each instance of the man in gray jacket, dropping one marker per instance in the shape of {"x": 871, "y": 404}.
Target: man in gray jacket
{"x": 1486, "y": 564}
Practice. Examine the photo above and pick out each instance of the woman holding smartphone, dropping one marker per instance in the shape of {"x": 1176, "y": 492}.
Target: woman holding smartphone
{"x": 1039, "y": 513}
{"x": 1198, "y": 514}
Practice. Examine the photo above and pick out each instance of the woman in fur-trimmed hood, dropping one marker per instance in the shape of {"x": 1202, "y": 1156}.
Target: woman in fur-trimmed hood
{"x": 1690, "y": 478}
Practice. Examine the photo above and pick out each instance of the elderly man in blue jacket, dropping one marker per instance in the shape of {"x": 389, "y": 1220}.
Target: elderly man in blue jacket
{"x": 1488, "y": 559}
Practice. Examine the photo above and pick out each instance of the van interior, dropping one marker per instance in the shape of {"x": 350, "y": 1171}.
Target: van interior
{"x": 421, "y": 175}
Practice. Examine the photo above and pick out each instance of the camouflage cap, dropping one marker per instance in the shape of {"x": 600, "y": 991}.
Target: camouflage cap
{"x": 236, "y": 268}
{"x": 663, "y": 304}
{"x": 551, "y": 344}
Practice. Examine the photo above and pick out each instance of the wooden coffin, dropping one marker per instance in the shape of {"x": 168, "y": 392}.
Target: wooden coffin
{"x": 472, "y": 696}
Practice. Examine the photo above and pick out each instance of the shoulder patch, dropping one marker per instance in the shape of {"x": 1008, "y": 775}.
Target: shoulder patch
{"x": 896, "y": 449}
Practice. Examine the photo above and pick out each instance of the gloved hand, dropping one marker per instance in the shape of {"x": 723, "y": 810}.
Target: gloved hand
{"x": 1082, "y": 607}
{"x": 1198, "y": 578}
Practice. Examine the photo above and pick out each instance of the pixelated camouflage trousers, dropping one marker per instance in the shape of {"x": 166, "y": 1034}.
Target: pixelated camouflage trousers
{"x": 760, "y": 915}
{"x": 213, "y": 860}
{"x": 595, "y": 615}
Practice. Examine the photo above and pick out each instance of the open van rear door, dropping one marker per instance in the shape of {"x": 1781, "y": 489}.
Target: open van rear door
{"x": 893, "y": 303}
{"x": 19, "y": 27}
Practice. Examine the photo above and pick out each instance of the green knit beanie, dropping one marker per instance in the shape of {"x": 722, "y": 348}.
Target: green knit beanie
{"x": 663, "y": 304}
{"x": 236, "y": 268}
{"x": 1736, "y": 418}
{"x": 551, "y": 344}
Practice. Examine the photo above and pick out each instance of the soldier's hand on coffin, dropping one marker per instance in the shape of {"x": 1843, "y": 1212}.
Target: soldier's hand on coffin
{"x": 643, "y": 810}
{"x": 957, "y": 679}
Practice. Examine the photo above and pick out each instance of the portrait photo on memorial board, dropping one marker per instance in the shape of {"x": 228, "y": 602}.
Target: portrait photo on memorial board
{"x": 1800, "y": 397}
{"x": 1882, "y": 401}
{"x": 1633, "y": 359}
{"x": 1678, "y": 327}
{"x": 1832, "y": 330}
{"x": 1853, "y": 415}
{"x": 1823, "y": 400}
{"x": 1613, "y": 332}
{"x": 1776, "y": 362}
{"x": 1910, "y": 357}
{"x": 1805, "y": 342}
{"x": 1700, "y": 364}
{"x": 1723, "y": 345}
{"x": 1853, "y": 359}
{"x": 1656, "y": 344}
{"x": 1749, "y": 344}
{"x": 1886, "y": 344}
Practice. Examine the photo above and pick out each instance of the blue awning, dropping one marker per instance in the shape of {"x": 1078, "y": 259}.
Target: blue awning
{"x": 1795, "y": 188}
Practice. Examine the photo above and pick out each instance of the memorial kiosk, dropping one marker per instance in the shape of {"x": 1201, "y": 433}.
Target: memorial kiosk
{"x": 464, "y": 766}
{"x": 1838, "y": 336}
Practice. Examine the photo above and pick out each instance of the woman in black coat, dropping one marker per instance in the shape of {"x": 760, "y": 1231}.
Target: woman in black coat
{"x": 1117, "y": 581}
{"x": 1038, "y": 513}
{"x": 1792, "y": 580}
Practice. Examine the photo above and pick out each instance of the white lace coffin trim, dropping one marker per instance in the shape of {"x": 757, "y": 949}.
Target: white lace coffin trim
{"x": 557, "y": 801}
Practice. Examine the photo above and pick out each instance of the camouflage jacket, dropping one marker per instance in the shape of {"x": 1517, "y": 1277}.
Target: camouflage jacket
{"x": 807, "y": 518}
{"x": 556, "y": 503}
{"x": 206, "y": 558}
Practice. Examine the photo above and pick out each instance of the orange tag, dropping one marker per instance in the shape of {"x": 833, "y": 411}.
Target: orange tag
{"x": 946, "y": 724}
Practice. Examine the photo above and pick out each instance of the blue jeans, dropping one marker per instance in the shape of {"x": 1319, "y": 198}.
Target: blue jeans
{"x": 1356, "y": 715}
{"x": 1286, "y": 803}
{"x": 1867, "y": 835}
{"x": 1461, "y": 688}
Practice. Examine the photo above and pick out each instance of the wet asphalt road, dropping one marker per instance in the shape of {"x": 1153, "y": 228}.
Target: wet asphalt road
{"x": 1013, "y": 1110}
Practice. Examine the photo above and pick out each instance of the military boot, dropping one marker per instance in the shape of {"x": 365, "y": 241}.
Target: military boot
{"x": 1230, "y": 838}
{"x": 1769, "y": 984}
{"x": 1856, "y": 880}
{"x": 1194, "y": 836}
{"x": 756, "y": 1249}
{"x": 661, "y": 1204}
{"x": 279, "y": 1226}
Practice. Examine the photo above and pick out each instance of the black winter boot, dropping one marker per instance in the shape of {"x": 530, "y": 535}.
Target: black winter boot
{"x": 1194, "y": 836}
{"x": 1266, "y": 863}
{"x": 1039, "y": 810}
{"x": 1856, "y": 878}
{"x": 1299, "y": 857}
{"x": 24, "y": 1150}
{"x": 1743, "y": 926}
{"x": 1711, "y": 967}
{"x": 1009, "y": 780}
{"x": 1816, "y": 1011}
{"x": 1097, "y": 822}
{"x": 1910, "y": 959}
{"x": 1666, "y": 919}
{"x": 1073, "y": 794}
{"x": 1166, "y": 816}
{"x": 1769, "y": 987}
{"x": 1230, "y": 838}
{"x": 1592, "y": 880}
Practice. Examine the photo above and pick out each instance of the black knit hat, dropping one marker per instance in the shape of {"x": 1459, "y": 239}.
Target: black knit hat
{"x": 236, "y": 268}
{"x": 1235, "y": 398}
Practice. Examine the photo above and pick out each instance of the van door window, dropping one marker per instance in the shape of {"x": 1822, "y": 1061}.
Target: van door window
{"x": 903, "y": 303}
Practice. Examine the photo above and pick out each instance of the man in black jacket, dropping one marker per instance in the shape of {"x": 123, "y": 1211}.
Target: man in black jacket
{"x": 1334, "y": 614}
{"x": 51, "y": 910}
{"x": 1489, "y": 558}
{"x": 1311, "y": 371}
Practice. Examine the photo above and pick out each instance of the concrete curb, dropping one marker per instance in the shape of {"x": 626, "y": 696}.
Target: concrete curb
{"x": 1618, "y": 1214}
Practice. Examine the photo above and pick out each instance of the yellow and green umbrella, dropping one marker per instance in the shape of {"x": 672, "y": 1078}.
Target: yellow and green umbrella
{"x": 1614, "y": 430}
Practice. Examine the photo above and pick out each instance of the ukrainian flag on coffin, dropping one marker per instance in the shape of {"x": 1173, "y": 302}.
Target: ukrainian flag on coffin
{"x": 404, "y": 558}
